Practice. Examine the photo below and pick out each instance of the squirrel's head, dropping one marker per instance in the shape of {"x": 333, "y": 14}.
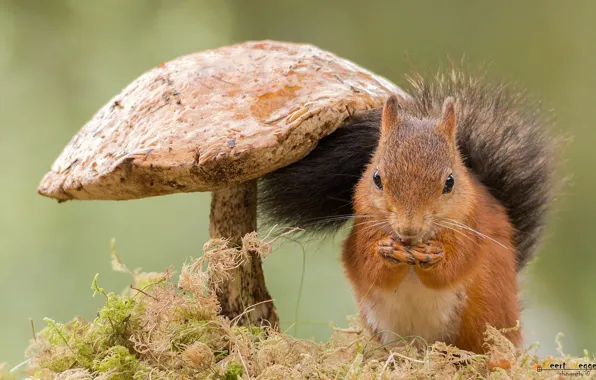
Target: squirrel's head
{"x": 416, "y": 177}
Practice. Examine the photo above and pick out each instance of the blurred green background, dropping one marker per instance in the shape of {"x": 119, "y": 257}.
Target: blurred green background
{"x": 61, "y": 60}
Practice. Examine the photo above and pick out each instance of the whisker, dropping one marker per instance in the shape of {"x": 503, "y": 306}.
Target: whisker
{"x": 366, "y": 223}
{"x": 475, "y": 231}
{"x": 341, "y": 200}
{"x": 377, "y": 225}
{"x": 343, "y": 217}
{"x": 454, "y": 230}
{"x": 456, "y": 223}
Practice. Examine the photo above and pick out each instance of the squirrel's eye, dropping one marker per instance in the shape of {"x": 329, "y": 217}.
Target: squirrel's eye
{"x": 377, "y": 180}
{"x": 449, "y": 184}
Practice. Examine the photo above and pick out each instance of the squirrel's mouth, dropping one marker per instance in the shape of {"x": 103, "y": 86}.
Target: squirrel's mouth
{"x": 408, "y": 240}
{"x": 422, "y": 236}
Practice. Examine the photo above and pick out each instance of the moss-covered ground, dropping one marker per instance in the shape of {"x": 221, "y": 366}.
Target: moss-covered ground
{"x": 165, "y": 329}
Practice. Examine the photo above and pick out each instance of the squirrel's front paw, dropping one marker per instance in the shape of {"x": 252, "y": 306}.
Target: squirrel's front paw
{"x": 394, "y": 252}
{"x": 427, "y": 255}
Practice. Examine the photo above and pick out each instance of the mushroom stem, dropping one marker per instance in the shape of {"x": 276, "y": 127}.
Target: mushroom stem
{"x": 233, "y": 215}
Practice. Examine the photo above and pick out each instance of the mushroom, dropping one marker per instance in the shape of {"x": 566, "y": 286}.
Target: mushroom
{"x": 216, "y": 121}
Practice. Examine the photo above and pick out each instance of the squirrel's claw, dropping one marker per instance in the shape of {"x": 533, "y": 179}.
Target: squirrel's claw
{"x": 427, "y": 255}
{"x": 393, "y": 252}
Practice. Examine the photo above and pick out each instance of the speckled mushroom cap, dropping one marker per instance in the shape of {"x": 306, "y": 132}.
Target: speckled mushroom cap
{"x": 212, "y": 119}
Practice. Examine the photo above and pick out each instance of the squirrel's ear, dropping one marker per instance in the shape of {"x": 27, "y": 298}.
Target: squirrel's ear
{"x": 448, "y": 124}
{"x": 391, "y": 118}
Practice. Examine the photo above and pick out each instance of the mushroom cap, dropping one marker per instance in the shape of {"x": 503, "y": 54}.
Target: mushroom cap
{"x": 213, "y": 119}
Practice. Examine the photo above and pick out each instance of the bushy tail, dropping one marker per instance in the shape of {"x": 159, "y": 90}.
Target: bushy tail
{"x": 502, "y": 136}
{"x": 315, "y": 193}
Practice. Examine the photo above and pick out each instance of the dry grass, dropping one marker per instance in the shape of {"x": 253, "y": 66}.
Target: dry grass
{"x": 159, "y": 329}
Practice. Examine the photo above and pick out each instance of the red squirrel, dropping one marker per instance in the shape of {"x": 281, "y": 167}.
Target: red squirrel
{"x": 447, "y": 192}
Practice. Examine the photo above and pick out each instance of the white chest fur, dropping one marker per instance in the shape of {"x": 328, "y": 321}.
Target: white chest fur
{"x": 412, "y": 310}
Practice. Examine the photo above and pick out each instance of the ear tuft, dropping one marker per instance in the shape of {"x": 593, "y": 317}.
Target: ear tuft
{"x": 448, "y": 124}
{"x": 390, "y": 118}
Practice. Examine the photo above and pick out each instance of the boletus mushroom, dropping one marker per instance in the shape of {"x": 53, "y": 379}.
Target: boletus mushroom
{"x": 216, "y": 121}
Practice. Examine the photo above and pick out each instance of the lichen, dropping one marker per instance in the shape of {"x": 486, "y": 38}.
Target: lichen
{"x": 160, "y": 329}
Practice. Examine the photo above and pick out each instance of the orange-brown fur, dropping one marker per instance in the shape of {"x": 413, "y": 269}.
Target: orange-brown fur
{"x": 414, "y": 158}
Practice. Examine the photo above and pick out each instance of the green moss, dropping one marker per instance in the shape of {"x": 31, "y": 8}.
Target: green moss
{"x": 234, "y": 371}
{"x": 163, "y": 330}
{"x": 193, "y": 310}
{"x": 146, "y": 281}
{"x": 185, "y": 334}
{"x": 118, "y": 362}
{"x": 79, "y": 344}
{"x": 114, "y": 321}
{"x": 69, "y": 348}
{"x": 250, "y": 333}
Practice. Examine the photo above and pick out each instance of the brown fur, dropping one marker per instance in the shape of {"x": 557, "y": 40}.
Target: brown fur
{"x": 416, "y": 153}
